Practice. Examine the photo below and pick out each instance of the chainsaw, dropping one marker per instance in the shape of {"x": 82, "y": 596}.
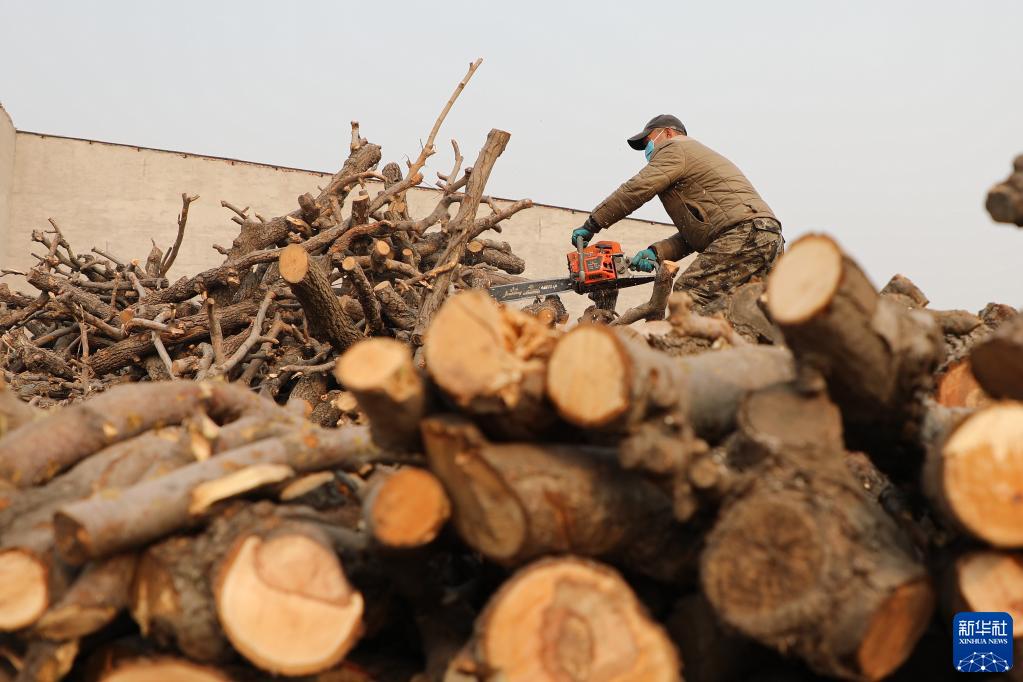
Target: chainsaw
{"x": 599, "y": 267}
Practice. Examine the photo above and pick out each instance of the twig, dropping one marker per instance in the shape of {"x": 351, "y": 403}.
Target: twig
{"x": 449, "y": 180}
{"x": 309, "y": 369}
{"x": 414, "y": 178}
{"x": 243, "y": 213}
{"x": 161, "y": 350}
{"x": 259, "y": 359}
{"x": 253, "y": 337}
{"x": 168, "y": 260}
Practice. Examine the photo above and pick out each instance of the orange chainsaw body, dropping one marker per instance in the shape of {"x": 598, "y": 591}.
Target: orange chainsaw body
{"x": 601, "y": 263}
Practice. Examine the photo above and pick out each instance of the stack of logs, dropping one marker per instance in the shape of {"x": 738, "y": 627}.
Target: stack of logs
{"x": 430, "y": 486}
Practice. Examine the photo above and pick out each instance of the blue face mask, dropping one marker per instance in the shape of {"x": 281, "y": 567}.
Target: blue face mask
{"x": 649, "y": 150}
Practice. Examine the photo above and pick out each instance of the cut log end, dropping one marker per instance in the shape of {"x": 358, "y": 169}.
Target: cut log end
{"x": 286, "y": 605}
{"x": 24, "y": 590}
{"x": 804, "y": 280}
{"x": 294, "y": 263}
{"x": 163, "y": 670}
{"x": 957, "y": 387}
{"x": 377, "y": 363}
{"x": 991, "y": 581}
{"x": 569, "y": 619}
{"x": 408, "y": 509}
{"x": 895, "y": 629}
{"x": 583, "y": 394}
{"x": 982, "y": 474}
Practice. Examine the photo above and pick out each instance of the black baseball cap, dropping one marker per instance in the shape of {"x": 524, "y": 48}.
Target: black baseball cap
{"x": 662, "y": 121}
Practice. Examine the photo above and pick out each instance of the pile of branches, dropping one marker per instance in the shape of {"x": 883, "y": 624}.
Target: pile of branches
{"x": 428, "y": 485}
{"x": 535, "y": 504}
{"x": 292, "y": 293}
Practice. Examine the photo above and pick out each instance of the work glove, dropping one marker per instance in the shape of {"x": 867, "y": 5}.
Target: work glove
{"x": 645, "y": 260}
{"x": 587, "y": 231}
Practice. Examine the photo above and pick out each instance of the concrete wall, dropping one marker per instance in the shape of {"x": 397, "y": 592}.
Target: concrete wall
{"x": 7, "y": 145}
{"x": 119, "y": 197}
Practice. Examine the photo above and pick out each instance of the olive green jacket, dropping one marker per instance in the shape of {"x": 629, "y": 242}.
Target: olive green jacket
{"x": 703, "y": 192}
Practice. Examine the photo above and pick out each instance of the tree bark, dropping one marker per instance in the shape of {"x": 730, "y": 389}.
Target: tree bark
{"x": 36, "y": 452}
{"x": 460, "y": 229}
{"x": 395, "y": 310}
{"x": 653, "y": 309}
{"x": 877, "y": 356}
{"x": 837, "y": 585}
{"x": 101, "y": 526}
{"x": 515, "y": 502}
{"x": 323, "y": 311}
{"x": 997, "y": 361}
{"x": 93, "y": 601}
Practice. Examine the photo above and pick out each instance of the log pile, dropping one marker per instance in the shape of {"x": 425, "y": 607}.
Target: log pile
{"x": 334, "y": 458}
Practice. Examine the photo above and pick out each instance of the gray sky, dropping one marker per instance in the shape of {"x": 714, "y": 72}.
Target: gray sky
{"x": 882, "y": 123}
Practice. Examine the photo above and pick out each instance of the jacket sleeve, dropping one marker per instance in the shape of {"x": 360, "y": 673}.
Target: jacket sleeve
{"x": 665, "y": 168}
{"x": 673, "y": 248}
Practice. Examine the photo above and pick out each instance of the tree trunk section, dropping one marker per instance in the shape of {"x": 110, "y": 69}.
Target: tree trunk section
{"x": 571, "y": 619}
{"x": 491, "y": 362}
{"x": 998, "y": 361}
{"x": 406, "y": 509}
{"x": 389, "y": 389}
{"x": 876, "y": 355}
{"x": 514, "y": 502}
{"x": 835, "y": 584}
{"x": 323, "y": 311}
{"x": 974, "y": 477}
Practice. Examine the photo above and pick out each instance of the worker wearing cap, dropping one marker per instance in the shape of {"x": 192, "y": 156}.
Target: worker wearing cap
{"x": 714, "y": 207}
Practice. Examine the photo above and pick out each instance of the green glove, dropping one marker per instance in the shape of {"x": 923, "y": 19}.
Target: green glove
{"x": 645, "y": 260}
{"x": 581, "y": 232}
{"x": 587, "y": 231}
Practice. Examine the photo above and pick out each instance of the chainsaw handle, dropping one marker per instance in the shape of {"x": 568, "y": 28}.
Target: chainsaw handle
{"x": 579, "y": 245}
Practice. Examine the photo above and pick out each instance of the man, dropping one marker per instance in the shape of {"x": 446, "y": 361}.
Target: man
{"x": 713, "y": 205}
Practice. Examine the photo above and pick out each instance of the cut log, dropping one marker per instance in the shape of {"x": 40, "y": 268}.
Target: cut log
{"x": 47, "y": 661}
{"x": 389, "y": 389}
{"x": 997, "y": 361}
{"x": 570, "y": 619}
{"x": 371, "y": 310}
{"x": 514, "y": 502}
{"x": 491, "y": 362}
{"x": 836, "y": 584}
{"x": 876, "y": 355}
{"x": 394, "y": 308}
{"x": 95, "y": 598}
{"x": 323, "y": 311}
{"x": 40, "y": 450}
{"x": 406, "y": 509}
{"x": 101, "y": 526}
{"x": 975, "y": 476}
{"x": 635, "y": 381}
{"x": 284, "y": 601}
{"x": 264, "y": 578}
{"x": 986, "y": 580}
{"x": 957, "y": 387}
{"x": 551, "y": 311}
{"x": 653, "y": 309}
{"x": 163, "y": 669}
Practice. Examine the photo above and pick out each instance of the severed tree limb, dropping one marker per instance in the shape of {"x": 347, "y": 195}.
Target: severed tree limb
{"x": 654, "y": 308}
{"x": 559, "y": 619}
{"x": 99, "y": 527}
{"x": 323, "y": 311}
{"x": 172, "y": 253}
{"x": 364, "y": 292}
{"x": 389, "y": 389}
{"x": 41, "y": 449}
{"x": 460, "y": 229}
{"x": 93, "y": 601}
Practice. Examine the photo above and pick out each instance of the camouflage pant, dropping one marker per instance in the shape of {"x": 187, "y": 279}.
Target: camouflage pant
{"x": 746, "y": 251}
